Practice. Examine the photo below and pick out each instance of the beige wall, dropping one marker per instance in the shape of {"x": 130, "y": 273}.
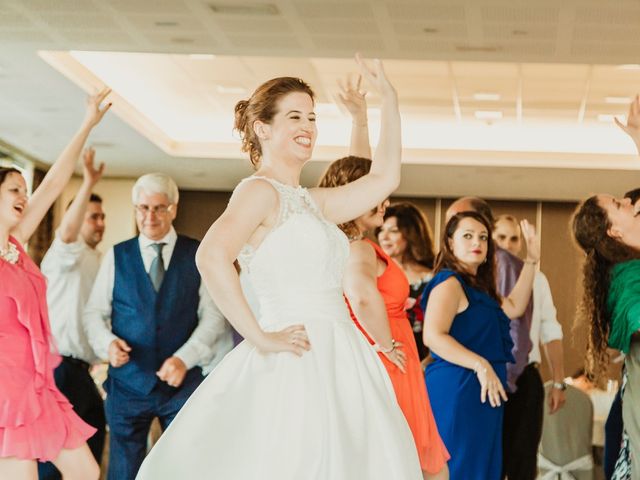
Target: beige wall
{"x": 560, "y": 259}
{"x": 116, "y": 198}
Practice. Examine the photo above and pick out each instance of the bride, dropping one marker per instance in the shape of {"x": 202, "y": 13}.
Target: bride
{"x": 304, "y": 396}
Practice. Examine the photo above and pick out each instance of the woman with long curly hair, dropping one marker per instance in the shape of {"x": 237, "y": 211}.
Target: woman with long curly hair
{"x": 467, "y": 329}
{"x": 607, "y": 229}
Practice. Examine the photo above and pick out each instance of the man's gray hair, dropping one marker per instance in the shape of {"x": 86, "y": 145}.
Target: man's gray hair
{"x": 155, "y": 183}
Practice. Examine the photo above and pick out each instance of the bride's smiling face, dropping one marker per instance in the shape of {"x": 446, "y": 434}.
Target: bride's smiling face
{"x": 292, "y": 131}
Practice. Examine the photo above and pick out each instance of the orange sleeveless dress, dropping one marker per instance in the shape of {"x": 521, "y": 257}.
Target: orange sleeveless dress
{"x": 409, "y": 387}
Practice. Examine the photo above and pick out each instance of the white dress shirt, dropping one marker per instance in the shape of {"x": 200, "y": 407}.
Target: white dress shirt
{"x": 544, "y": 323}
{"x": 209, "y": 342}
{"x": 70, "y": 269}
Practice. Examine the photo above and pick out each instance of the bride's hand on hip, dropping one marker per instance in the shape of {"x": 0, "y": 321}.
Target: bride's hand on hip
{"x": 292, "y": 339}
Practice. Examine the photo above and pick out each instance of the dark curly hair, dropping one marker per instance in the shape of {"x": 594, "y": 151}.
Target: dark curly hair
{"x": 263, "y": 106}
{"x": 485, "y": 278}
{"x": 589, "y": 226}
{"x": 416, "y": 231}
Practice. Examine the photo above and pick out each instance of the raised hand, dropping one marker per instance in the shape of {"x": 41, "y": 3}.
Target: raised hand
{"x": 353, "y": 98}
{"x": 292, "y": 339}
{"x": 532, "y": 241}
{"x": 376, "y": 76}
{"x": 632, "y": 128}
{"x": 95, "y": 112}
{"x": 91, "y": 174}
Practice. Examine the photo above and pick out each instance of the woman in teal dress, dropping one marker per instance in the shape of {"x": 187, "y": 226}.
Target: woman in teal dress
{"x": 467, "y": 329}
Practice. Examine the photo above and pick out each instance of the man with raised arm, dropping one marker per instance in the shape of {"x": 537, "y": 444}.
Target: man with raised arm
{"x": 71, "y": 265}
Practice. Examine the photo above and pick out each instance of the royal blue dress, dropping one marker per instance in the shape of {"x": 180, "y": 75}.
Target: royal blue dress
{"x": 471, "y": 430}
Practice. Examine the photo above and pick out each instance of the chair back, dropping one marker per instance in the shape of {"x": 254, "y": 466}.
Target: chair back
{"x": 566, "y": 438}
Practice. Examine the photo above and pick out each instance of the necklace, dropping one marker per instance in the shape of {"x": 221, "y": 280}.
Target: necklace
{"x": 10, "y": 254}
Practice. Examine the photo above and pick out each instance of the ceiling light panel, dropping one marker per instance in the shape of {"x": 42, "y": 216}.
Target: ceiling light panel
{"x": 486, "y": 97}
{"x": 488, "y": 114}
{"x": 614, "y": 100}
{"x": 142, "y": 6}
{"x": 635, "y": 67}
{"x": 609, "y": 117}
{"x": 245, "y": 9}
{"x": 339, "y": 10}
{"x": 524, "y": 14}
{"x": 253, "y": 26}
{"x": 426, "y": 11}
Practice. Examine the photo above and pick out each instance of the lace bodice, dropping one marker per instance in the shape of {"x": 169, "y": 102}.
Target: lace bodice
{"x": 303, "y": 254}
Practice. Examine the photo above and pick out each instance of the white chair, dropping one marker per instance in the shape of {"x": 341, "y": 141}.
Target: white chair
{"x": 565, "y": 451}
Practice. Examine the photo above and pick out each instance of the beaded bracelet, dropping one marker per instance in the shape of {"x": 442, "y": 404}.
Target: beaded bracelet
{"x": 387, "y": 350}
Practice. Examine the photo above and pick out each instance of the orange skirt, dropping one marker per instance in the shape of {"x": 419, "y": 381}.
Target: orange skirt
{"x": 411, "y": 393}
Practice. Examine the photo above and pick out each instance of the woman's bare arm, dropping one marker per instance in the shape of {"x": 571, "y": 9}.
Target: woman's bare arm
{"x": 344, "y": 203}
{"x": 60, "y": 172}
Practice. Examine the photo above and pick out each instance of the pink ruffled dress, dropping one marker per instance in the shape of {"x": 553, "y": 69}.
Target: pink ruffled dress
{"x": 36, "y": 420}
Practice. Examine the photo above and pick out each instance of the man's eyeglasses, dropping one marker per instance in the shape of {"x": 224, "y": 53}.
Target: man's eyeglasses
{"x": 156, "y": 209}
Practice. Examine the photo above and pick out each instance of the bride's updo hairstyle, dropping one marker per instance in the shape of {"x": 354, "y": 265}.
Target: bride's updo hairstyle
{"x": 341, "y": 172}
{"x": 263, "y": 105}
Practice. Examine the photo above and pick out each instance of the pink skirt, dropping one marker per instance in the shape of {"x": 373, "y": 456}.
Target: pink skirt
{"x": 55, "y": 428}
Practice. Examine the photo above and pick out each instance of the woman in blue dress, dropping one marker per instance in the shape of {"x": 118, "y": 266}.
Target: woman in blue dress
{"x": 467, "y": 329}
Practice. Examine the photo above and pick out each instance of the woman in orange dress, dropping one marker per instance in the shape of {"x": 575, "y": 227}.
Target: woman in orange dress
{"x": 376, "y": 290}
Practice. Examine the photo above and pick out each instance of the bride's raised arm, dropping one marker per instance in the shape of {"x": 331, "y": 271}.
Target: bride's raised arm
{"x": 342, "y": 204}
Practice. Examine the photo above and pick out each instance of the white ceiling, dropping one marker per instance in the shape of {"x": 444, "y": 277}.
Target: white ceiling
{"x": 553, "y": 64}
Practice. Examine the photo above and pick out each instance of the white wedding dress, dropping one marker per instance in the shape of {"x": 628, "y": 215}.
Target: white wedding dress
{"x": 328, "y": 415}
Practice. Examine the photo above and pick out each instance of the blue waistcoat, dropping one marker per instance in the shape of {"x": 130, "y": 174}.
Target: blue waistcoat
{"x": 154, "y": 325}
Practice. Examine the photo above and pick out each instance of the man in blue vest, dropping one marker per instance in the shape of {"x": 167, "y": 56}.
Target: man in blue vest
{"x": 150, "y": 315}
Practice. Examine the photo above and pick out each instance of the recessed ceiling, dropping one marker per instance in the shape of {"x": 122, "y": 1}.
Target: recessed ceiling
{"x": 187, "y": 110}
{"x": 551, "y": 64}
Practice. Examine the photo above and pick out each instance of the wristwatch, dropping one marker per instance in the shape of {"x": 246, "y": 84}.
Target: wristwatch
{"x": 559, "y": 386}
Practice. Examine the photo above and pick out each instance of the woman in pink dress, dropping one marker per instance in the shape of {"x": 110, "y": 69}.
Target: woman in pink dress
{"x": 36, "y": 421}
